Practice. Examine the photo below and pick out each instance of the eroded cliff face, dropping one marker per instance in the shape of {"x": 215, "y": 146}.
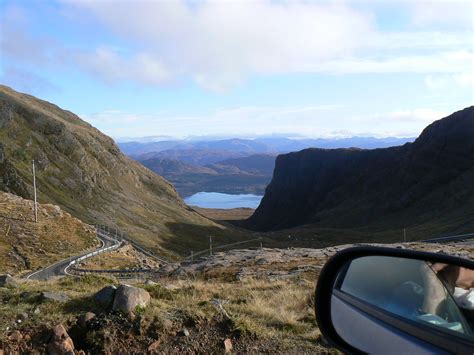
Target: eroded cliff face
{"x": 341, "y": 188}
{"x": 83, "y": 171}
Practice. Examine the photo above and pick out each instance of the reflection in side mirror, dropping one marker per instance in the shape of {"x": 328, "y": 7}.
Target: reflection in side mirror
{"x": 385, "y": 303}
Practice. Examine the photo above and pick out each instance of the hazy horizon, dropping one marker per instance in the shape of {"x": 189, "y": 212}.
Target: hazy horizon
{"x": 229, "y": 137}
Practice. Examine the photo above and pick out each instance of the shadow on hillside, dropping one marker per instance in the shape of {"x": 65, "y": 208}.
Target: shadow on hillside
{"x": 192, "y": 237}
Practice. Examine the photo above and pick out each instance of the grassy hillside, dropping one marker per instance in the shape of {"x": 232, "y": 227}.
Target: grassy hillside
{"x": 26, "y": 245}
{"x": 84, "y": 172}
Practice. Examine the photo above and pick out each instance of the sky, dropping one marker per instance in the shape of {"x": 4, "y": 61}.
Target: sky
{"x": 244, "y": 68}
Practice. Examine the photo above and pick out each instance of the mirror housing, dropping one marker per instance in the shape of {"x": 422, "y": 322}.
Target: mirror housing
{"x": 388, "y": 329}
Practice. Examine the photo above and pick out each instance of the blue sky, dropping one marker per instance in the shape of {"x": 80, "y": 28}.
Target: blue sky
{"x": 243, "y": 68}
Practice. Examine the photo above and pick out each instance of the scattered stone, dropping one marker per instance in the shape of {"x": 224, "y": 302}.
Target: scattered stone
{"x": 184, "y": 332}
{"x": 84, "y": 319}
{"x": 128, "y": 298}
{"x": 6, "y": 280}
{"x": 171, "y": 287}
{"x": 16, "y": 336}
{"x": 55, "y": 296}
{"x": 106, "y": 295}
{"x": 150, "y": 283}
{"x": 36, "y": 310}
{"x": 25, "y": 295}
{"x": 23, "y": 316}
{"x": 60, "y": 343}
{"x": 154, "y": 346}
{"x": 228, "y": 346}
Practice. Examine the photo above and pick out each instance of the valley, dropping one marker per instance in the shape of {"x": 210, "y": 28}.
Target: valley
{"x": 315, "y": 203}
{"x": 236, "y": 177}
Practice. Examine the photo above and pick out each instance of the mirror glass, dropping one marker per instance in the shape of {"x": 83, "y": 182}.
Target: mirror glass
{"x": 412, "y": 292}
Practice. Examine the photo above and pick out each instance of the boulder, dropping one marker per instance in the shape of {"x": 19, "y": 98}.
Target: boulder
{"x": 150, "y": 283}
{"x": 54, "y": 296}
{"x": 128, "y": 298}
{"x": 6, "y": 280}
{"x": 106, "y": 295}
{"x": 60, "y": 343}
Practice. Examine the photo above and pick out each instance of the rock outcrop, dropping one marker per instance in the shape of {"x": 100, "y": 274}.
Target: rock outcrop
{"x": 428, "y": 181}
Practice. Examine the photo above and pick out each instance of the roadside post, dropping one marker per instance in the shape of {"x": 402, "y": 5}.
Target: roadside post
{"x": 34, "y": 188}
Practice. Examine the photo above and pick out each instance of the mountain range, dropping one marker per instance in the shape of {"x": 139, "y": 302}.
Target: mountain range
{"x": 428, "y": 182}
{"x": 246, "y": 147}
{"x": 231, "y": 166}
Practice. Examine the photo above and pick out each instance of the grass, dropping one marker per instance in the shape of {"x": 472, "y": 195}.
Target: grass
{"x": 257, "y": 313}
{"x": 26, "y": 245}
{"x": 125, "y": 257}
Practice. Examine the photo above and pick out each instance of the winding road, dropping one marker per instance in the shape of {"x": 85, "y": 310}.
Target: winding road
{"x": 109, "y": 243}
{"x": 59, "y": 268}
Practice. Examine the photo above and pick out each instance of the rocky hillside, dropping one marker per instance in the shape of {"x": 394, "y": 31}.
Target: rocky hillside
{"x": 84, "y": 172}
{"x": 25, "y": 245}
{"x": 421, "y": 183}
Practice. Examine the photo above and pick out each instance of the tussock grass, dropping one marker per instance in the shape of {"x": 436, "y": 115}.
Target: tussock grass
{"x": 279, "y": 312}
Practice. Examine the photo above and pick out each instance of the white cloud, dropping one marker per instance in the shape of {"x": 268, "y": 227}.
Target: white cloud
{"x": 309, "y": 121}
{"x": 113, "y": 67}
{"x": 442, "y": 62}
{"x": 219, "y": 44}
{"x": 441, "y": 83}
{"x": 425, "y": 115}
{"x": 445, "y": 12}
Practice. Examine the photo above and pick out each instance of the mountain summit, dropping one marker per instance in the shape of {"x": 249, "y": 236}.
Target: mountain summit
{"x": 426, "y": 182}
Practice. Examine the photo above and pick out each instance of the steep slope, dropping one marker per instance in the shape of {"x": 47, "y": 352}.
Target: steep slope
{"x": 428, "y": 181}
{"x": 26, "y": 245}
{"x": 83, "y": 171}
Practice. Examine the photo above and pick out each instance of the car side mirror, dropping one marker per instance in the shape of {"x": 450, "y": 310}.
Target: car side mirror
{"x": 389, "y": 300}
